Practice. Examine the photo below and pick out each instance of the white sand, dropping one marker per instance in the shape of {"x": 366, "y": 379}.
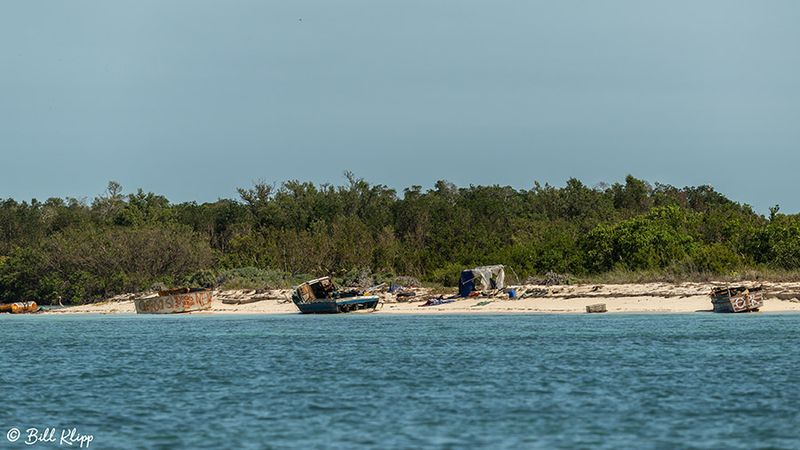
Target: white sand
{"x": 619, "y": 298}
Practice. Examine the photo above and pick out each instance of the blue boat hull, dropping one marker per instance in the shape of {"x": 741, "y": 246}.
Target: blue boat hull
{"x": 343, "y": 305}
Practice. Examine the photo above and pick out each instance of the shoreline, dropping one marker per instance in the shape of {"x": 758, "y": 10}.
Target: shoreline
{"x": 656, "y": 298}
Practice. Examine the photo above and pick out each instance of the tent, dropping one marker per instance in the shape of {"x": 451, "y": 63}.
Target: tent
{"x": 481, "y": 279}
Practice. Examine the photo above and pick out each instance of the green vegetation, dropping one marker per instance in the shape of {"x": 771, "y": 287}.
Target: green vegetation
{"x": 274, "y": 236}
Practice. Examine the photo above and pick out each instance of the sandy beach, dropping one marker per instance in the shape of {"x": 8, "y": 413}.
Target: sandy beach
{"x": 619, "y": 298}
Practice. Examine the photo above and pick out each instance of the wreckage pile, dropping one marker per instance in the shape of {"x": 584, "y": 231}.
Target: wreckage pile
{"x": 737, "y": 299}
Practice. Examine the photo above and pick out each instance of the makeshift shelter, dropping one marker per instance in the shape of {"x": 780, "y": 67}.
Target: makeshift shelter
{"x": 481, "y": 279}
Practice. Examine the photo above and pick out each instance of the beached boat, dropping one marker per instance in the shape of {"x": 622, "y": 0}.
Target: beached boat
{"x": 320, "y": 296}
{"x": 175, "y": 301}
{"x": 737, "y": 299}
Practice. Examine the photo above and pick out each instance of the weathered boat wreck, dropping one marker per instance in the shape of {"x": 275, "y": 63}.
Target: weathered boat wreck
{"x": 320, "y": 296}
{"x": 737, "y": 299}
{"x": 175, "y": 301}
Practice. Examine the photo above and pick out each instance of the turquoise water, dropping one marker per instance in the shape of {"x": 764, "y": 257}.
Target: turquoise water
{"x": 372, "y": 381}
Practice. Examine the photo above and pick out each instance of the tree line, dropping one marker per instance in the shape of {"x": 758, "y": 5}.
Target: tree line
{"x": 273, "y": 234}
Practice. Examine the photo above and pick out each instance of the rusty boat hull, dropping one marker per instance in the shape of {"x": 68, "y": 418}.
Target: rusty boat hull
{"x": 176, "y": 303}
{"x": 19, "y": 308}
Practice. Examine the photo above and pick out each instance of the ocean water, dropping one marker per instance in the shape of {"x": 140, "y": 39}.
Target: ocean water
{"x": 384, "y": 381}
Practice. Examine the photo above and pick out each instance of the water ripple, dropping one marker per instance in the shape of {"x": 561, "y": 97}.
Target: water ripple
{"x": 614, "y": 381}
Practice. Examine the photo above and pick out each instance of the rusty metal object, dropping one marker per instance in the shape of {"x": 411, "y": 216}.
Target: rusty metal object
{"x": 177, "y": 303}
{"x": 182, "y": 290}
{"x": 737, "y": 299}
{"x": 19, "y": 308}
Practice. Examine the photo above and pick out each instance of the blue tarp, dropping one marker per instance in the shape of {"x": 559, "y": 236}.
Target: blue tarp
{"x": 466, "y": 284}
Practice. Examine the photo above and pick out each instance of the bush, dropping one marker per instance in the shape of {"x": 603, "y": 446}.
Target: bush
{"x": 365, "y": 233}
{"x": 253, "y": 278}
{"x": 20, "y": 274}
{"x": 783, "y": 237}
{"x": 364, "y": 278}
{"x": 446, "y": 276}
{"x": 82, "y": 265}
{"x": 716, "y": 259}
{"x": 653, "y": 241}
{"x": 206, "y": 278}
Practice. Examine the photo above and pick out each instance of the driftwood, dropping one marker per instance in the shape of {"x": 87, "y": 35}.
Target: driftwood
{"x": 404, "y": 296}
{"x": 616, "y": 295}
{"x": 244, "y": 301}
{"x": 534, "y": 292}
{"x": 785, "y": 296}
{"x": 540, "y": 292}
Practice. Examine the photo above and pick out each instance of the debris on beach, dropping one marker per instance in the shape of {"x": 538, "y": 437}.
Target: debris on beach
{"x": 404, "y": 295}
{"x": 247, "y": 296}
{"x": 19, "y": 308}
{"x": 378, "y": 288}
{"x": 404, "y": 288}
{"x": 320, "y": 296}
{"x": 244, "y": 301}
{"x": 737, "y": 299}
{"x": 438, "y": 301}
{"x": 173, "y": 301}
{"x": 483, "y": 303}
{"x": 475, "y": 281}
{"x": 550, "y": 279}
{"x": 596, "y": 308}
{"x": 534, "y": 292}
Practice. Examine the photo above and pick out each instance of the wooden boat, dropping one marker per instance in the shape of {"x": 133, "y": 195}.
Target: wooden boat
{"x": 737, "y": 299}
{"x": 175, "y": 301}
{"x": 320, "y": 296}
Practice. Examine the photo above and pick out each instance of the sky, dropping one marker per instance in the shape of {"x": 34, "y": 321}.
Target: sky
{"x": 192, "y": 99}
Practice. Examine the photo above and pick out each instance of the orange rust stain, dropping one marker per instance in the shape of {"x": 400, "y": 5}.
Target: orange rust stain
{"x": 194, "y": 301}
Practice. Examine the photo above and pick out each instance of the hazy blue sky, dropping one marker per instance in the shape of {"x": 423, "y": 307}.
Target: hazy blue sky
{"x": 193, "y": 98}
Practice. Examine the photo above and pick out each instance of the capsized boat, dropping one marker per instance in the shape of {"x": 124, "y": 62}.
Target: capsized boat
{"x": 175, "y": 301}
{"x": 737, "y": 299}
{"x": 320, "y": 296}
